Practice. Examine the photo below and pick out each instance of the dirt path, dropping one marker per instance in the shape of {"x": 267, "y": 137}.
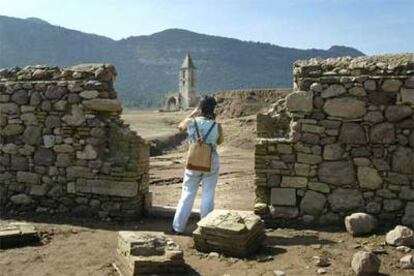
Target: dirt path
{"x": 235, "y": 188}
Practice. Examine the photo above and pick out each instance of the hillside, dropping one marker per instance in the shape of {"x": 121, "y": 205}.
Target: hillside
{"x": 148, "y": 65}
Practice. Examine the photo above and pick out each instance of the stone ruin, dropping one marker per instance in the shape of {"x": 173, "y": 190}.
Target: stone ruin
{"x": 349, "y": 147}
{"x": 237, "y": 234}
{"x": 63, "y": 146}
{"x": 148, "y": 253}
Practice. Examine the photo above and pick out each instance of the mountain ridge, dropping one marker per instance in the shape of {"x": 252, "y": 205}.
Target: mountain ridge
{"x": 148, "y": 65}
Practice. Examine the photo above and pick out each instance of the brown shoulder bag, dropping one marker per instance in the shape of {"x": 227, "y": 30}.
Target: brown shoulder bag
{"x": 199, "y": 153}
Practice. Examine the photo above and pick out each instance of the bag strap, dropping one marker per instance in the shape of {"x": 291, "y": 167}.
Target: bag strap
{"x": 197, "y": 131}
{"x": 208, "y": 132}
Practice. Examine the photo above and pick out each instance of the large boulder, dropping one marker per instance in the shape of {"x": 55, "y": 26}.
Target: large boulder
{"x": 360, "y": 224}
{"x": 365, "y": 263}
{"x": 400, "y": 235}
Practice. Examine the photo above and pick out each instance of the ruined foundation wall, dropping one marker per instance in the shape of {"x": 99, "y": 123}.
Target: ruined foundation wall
{"x": 63, "y": 146}
{"x": 350, "y": 146}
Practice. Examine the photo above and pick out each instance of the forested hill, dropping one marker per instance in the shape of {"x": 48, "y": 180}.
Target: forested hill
{"x": 148, "y": 65}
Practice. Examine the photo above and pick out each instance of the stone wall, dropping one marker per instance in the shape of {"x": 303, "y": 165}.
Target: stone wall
{"x": 350, "y": 146}
{"x": 63, "y": 146}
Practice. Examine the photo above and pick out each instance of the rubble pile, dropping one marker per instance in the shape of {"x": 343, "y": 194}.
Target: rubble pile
{"x": 231, "y": 233}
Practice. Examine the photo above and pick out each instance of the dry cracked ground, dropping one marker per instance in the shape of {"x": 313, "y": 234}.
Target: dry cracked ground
{"x": 84, "y": 247}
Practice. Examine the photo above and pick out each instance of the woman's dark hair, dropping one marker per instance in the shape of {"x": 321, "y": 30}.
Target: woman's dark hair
{"x": 207, "y": 105}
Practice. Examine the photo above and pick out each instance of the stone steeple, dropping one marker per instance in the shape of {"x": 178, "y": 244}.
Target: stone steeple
{"x": 188, "y": 82}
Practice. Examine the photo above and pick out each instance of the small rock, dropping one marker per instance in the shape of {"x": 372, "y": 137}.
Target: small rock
{"x": 403, "y": 248}
{"x": 262, "y": 259}
{"x": 279, "y": 273}
{"x": 322, "y": 271}
{"x": 321, "y": 261}
{"x": 213, "y": 255}
{"x": 356, "y": 246}
{"x": 379, "y": 251}
{"x": 400, "y": 235}
{"x": 365, "y": 263}
{"x": 407, "y": 262}
{"x": 360, "y": 223}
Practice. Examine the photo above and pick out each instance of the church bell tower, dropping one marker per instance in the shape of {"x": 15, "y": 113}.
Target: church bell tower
{"x": 187, "y": 83}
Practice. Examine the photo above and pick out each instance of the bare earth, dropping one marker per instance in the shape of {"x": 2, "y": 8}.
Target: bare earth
{"x": 89, "y": 249}
{"x": 84, "y": 247}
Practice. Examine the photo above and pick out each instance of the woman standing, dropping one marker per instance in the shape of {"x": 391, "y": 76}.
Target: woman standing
{"x": 203, "y": 119}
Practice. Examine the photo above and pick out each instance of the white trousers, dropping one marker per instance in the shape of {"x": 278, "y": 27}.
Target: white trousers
{"x": 192, "y": 180}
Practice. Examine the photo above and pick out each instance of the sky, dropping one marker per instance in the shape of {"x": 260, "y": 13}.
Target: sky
{"x": 371, "y": 26}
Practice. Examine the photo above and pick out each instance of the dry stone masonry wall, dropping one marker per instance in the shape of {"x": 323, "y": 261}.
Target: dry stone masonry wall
{"x": 350, "y": 146}
{"x": 63, "y": 146}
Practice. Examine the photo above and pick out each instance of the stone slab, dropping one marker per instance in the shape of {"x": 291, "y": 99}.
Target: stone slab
{"x": 142, "y": 253}
{"x": 17, "y": 234}
{"x": 229, "y": 232}
{"x": 283, "y": 196}
{"x": 107, "y": 187}
{"x": 294, "y": 182}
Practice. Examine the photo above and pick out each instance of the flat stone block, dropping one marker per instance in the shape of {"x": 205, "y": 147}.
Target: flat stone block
{"x": 27, "y": 177}
{"x": 294, "y": 182}
{"x": 309, "y": 158}
{"x": 107, "y": 187}
{"x": 319, "y": 187}
{"x": 301, "y": 101}
{"x": 283, "y": 196}
{"x": 237, "y": 234}
{"x": 148, "y": 253}
{"x": 17, "y": 234}
{"x": 284, "y": 212}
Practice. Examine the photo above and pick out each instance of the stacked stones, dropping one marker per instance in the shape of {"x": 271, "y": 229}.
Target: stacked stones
{"x": 351, "y": 146}
{"x": 230, "y": 233}
{"x": 151, "y": 253}
{"x": 64, "y": 148}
